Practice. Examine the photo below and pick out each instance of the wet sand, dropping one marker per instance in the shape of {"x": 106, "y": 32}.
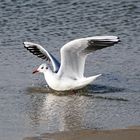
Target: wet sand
{"x": 131, "y": 133}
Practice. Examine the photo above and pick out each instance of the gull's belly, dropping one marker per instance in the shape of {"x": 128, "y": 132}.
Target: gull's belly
{"x": 67, "y": 83}
{"x": 62, "y": 84}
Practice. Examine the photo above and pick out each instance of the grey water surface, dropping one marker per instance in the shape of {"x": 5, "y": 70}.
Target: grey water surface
{"x": 27, "y": 108}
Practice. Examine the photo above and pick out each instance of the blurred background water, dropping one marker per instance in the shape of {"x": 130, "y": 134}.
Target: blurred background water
{"x": 26, "y": 108}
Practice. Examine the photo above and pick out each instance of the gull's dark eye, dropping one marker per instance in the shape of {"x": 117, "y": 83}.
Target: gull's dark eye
{"x": 42, "y": 67}
{"x": 46, "y": 67}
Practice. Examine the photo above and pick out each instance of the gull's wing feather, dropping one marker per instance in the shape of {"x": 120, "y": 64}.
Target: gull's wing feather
{"x": 74, "y": 53}
{"x": 39, "y": 51}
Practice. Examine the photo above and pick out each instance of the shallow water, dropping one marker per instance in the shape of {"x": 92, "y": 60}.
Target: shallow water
{"x": 27, "y": 108}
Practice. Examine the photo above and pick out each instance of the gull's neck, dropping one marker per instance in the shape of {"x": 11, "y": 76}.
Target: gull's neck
{"x": 49, "y": 75}
{"x": 48, "y": 72}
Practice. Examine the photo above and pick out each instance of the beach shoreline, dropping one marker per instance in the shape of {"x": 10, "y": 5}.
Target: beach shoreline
{"x": 130, "y": 133}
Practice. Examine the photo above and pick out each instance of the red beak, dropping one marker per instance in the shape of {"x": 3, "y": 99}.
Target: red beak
{"x": 35, "y": 71}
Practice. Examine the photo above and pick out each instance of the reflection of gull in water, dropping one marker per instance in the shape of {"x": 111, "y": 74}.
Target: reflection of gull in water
{"x": 70, "y": 74}
{"x": 55, "y": 112}
{"x": 71, "y": 112}
{"x": 63, "y": 112}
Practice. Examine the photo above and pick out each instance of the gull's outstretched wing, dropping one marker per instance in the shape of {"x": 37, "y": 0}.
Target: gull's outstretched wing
{"x": 73, "y": 54}
{"x": 39, "y": 51}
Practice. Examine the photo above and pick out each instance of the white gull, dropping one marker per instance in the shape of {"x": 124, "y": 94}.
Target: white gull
{"x": 69, "y": 75}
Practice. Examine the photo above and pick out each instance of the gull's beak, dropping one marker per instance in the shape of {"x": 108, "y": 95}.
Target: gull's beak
{"x": 35, "y": 71}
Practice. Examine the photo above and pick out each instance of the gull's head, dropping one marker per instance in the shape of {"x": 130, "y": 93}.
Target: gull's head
{"x": 41, "y": 69}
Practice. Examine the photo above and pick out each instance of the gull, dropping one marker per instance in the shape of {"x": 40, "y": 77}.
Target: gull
{"x": 69, "y": 74}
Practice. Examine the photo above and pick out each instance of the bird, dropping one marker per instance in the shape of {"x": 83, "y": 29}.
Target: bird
{"x": 69, "y": 74}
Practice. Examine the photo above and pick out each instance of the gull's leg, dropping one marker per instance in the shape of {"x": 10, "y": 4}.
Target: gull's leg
{"x": 72, "y": 92}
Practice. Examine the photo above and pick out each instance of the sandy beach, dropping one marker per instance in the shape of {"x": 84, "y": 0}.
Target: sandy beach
{"x": 131, "y": 133}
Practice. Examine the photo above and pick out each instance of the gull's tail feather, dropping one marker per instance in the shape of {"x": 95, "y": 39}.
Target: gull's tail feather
{"x": 85, "y": 81}
{"x": 90, "y": 79}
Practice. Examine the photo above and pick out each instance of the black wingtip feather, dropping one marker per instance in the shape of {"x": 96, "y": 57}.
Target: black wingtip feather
{"x": 35, "y": 51}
